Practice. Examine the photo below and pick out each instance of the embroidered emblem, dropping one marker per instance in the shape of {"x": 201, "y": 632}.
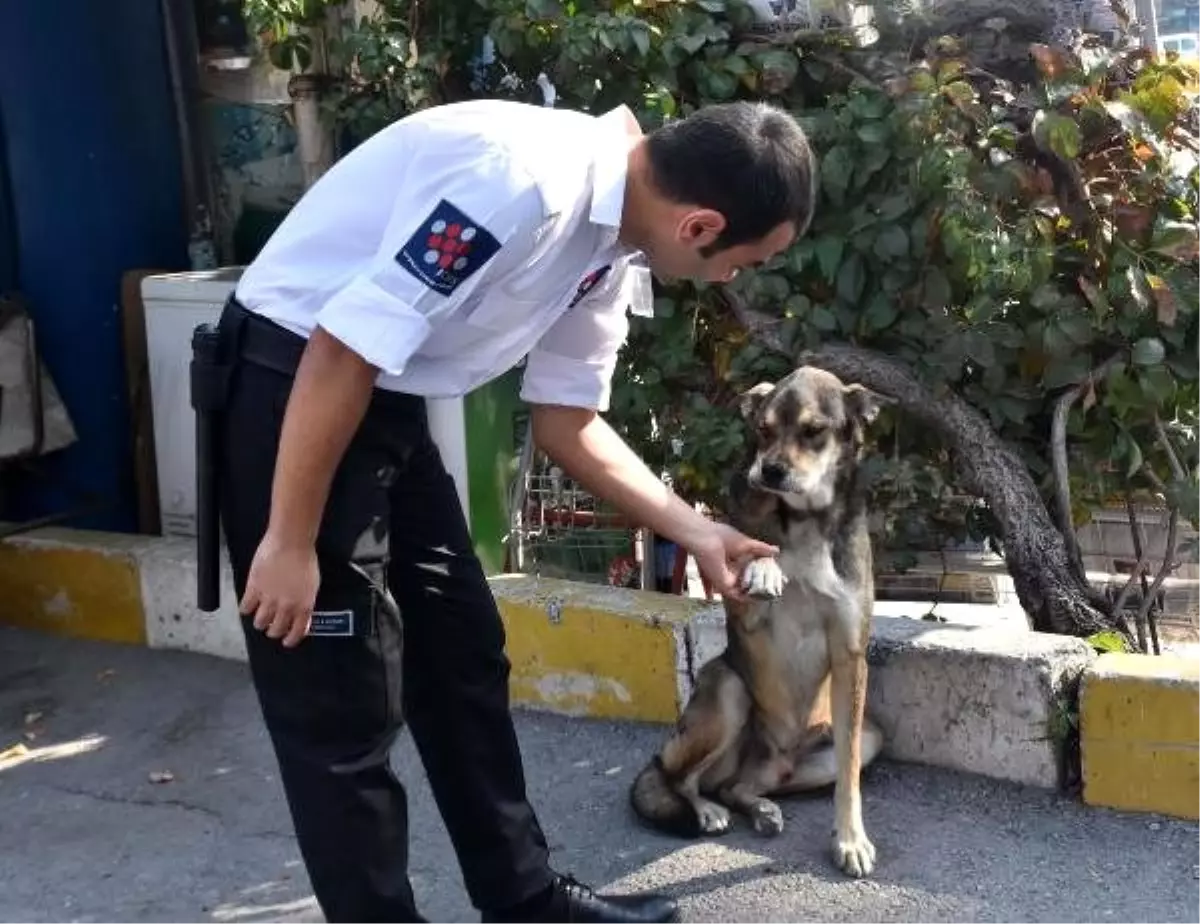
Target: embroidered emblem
{"x": 587, "y": 284}
{"x": 447, "y": 248}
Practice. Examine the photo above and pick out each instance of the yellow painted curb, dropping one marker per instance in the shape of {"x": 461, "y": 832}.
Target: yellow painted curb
{"x": 75, "y": 583}
{"x": 1140, "y": 733}
{"x": 593, "y": 650}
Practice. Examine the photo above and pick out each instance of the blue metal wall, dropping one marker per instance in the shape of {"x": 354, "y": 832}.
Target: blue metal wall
{"x": 93, "y": 157}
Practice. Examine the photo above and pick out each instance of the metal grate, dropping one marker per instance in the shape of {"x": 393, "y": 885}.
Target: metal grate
{"x": 558, "y": 529}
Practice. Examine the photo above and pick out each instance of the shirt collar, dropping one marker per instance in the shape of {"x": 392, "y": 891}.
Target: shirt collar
{"x": 614, "y": 130}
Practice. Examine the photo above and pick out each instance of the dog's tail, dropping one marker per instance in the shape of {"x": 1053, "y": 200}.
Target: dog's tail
{"x": 818, "y": 768}
{"x": 657, "y": 804}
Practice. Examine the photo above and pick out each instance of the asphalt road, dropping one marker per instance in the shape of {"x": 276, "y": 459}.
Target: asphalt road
{"x": 87, "y": 836}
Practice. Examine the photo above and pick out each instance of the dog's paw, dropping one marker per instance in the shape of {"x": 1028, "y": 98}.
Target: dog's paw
{"x": 854, "y": 853}
{"x": 767, "y": 817}
{"x": 763, "y": 579}
{"x": 714, "y": 819}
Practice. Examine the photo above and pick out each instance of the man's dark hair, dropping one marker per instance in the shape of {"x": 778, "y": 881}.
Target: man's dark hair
{"x": 749, "y": 161}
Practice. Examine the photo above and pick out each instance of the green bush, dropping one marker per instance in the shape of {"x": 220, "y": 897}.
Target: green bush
{"x": 1015, "y": 263}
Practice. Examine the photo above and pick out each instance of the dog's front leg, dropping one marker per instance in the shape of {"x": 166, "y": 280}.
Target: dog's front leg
{"x": 852, "y": 849}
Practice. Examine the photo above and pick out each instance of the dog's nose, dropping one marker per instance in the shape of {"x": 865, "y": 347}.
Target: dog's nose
{"x": 773, "y": 474}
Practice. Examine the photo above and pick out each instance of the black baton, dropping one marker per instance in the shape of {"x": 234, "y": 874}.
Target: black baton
{"x": 208, "y": 380}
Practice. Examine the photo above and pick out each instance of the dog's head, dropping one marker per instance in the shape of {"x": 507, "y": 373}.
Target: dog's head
{"x": 810, "y": 431}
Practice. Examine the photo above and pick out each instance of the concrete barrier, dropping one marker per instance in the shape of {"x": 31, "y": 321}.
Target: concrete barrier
{"x": 1139, "y": 718}
{"x": 980, "y": 693}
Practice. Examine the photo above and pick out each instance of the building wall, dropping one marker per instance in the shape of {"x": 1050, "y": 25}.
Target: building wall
{"x": 92, "y": 150}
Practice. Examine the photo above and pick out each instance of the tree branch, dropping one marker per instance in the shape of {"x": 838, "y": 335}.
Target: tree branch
{"x": 1058, "y": 449}
{"x": 1145, "y": 611}
{"x": 1177, "y": 468}
{"x": 1057, "y": 598}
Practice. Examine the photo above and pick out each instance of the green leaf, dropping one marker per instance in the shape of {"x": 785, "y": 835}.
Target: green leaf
{"x": 797, "y": 306}
{"x": 800, "y": 255}
{"x": 1066, "y": 370}
{"x": 1176, "y": 239}
{"x": 1149, "y": 351}
{"x": 980, "y": 349}
{"x": 1077, "y": 328}
{"x": 851, "y": 279}
{"x": 721, "y": 85}
{"x": 873, "y": 133}
{"x": 894, "y": 206}
{"x": 874, "y": 159}
{"x": 1058, "y": 133}
{"x": 1046, "y": 296}
{"x": 1108, "y": 640}
{"x": 641, "y": 39}
{"x": 1135, "y": 458}
{"x": 779, "y": 68}
{"x": 837, "y": 167}
{"x": 737, "y": 65}
{"x": 880, "y": 313}
{"x": 829, "y": 256}
{"x": 892, "y": 242}
{"x": 823, "y": 319}
{"x": 937, "y": 293}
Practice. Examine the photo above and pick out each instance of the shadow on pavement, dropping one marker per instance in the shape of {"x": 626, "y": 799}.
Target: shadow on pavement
{"x": 171, "y": 810}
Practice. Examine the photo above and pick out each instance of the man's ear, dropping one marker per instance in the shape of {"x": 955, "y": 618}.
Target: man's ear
{"x": 749, "y": 401}
{"x": 863, "y": 403}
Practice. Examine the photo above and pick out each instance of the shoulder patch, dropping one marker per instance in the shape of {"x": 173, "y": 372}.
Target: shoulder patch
{"x": 447, "y": 247}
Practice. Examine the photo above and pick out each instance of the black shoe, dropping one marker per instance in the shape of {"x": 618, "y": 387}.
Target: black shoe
{"x": 570, "y": 901}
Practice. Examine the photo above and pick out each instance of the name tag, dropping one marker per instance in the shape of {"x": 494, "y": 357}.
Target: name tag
{"x": 332, "y": 623}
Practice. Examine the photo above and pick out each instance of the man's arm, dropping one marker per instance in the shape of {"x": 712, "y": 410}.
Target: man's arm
{"x": 329, "y": 398}
{"x": 592, "y": 453}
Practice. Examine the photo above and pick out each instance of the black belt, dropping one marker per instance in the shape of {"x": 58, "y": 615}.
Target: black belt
{"x": 261, "y": 341}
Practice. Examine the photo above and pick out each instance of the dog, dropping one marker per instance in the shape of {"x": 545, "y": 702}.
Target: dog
{"x": 782, "y": 709}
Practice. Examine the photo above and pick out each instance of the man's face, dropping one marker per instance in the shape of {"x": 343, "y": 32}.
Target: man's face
{"x": 685, "y": 250}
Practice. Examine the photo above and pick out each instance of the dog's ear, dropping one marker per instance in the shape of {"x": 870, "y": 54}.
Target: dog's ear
{"x": 863, "y": 403}
{"x": 750, "y": 400}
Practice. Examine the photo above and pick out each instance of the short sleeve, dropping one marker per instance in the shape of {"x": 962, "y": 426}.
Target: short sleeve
{"x": 573, "y": 363}
{"x": 465, "y": 212}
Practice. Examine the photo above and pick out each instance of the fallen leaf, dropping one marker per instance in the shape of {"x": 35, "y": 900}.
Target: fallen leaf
{"x": 1164, "y": 299}
{"x": 1052, "y": 62}
{"x": 161, "y": 776}
{"x": 106, "y": 675}
{"x": 13, "y": 752}
{"x": 32, "y": 718}
{"x": 30, "y": 736}
{"x": 1133, "y": 221}
{"x": 1094, "y": 295}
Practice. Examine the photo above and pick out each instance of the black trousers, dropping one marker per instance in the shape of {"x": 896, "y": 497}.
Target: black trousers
{"x": 426, "y": 648}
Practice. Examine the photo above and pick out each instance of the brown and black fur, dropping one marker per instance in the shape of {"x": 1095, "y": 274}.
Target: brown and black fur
{"x": 781, "y": 710}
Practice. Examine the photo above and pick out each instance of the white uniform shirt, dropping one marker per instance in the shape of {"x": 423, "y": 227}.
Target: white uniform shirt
{"x": 461, "y": 240}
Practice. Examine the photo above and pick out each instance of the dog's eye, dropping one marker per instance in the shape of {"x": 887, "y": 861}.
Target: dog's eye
{"x": 811, "y": 432}
{"x": 764, "y": 433}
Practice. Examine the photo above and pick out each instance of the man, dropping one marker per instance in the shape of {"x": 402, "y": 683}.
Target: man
{"x": 443, "y": 251}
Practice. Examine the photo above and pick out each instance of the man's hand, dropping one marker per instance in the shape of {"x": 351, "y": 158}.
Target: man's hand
{"x": 281, "y": 590}
{"x": 327, "y": 402}
{"x": 723, "y": 553}
{"x": 592, "y": 453}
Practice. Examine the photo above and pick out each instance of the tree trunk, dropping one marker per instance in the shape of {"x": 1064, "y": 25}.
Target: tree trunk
{"x": 1055, "y": 596}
